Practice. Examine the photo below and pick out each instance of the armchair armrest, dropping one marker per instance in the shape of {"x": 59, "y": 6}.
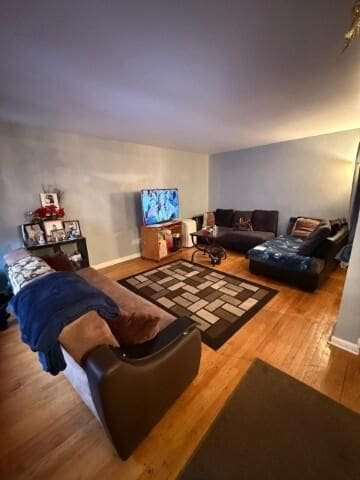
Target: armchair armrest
{"x": 132, "y": 394}
{"x": 165, "y": 338}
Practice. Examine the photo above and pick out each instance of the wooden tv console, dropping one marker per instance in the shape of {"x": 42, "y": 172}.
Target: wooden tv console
{"x": 150, "y": 239}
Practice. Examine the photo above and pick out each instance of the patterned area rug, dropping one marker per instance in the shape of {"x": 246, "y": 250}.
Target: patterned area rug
{"x": 217, "y": 302}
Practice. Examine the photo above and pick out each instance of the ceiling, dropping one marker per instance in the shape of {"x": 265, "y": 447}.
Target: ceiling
{"x": 197, "y": 75}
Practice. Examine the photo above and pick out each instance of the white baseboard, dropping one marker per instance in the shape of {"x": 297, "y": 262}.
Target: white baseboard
{"x": 110, "y": 263}
{"x": 345, "y": 345}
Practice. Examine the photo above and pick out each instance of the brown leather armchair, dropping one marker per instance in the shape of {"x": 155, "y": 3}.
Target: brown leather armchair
{"x": 132, "y": 389}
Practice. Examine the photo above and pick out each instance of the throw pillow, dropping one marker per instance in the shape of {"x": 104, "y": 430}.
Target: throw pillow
{"x": 134, "y": 328}
{"x": 26, "y": 270}
{"x": 60, "y": 263}
{"x": 244, "y": 224}
{"x": 312, "y": 242}
{"x": 241, "y": 214}
{"x": 224, "y": 218}
{"x": 304, "y": 227}
{"x": 265, "y": 220}
{"x": 15, "y": 255}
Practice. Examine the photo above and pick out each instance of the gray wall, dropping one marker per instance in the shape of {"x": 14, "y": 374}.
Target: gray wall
{"x": 348, "y": 322}
{"x": 101, "y": 179}
{"x": 311, "y": 177}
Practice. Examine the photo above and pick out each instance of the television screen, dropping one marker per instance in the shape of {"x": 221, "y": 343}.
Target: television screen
{"x": 160, "y": 205}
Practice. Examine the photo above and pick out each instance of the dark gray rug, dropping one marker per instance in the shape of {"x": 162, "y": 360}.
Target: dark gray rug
{"x": 276, "y": 428}
{"x": 217, "y": 302}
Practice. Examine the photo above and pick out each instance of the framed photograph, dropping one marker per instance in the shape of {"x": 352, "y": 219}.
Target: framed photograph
{"x": 49, "y": 199}
{"x": 52, "y": 226}
{"x": 58, "y": 235}
{"x": 72, "y": 228}
{"x": 32, "y": 234}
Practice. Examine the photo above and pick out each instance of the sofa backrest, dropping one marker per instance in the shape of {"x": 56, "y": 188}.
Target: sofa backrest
{"x": 224, "y": 217}
{"x": 336, "y": 224}
{"x": 330, "y": 246}
{"x": 265, "y": 220}
{"x": 262, "y": 220}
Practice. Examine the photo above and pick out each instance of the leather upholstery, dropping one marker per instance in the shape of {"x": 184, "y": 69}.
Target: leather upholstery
{"x": 129, "y": 396}
{"x": 307, "y": 280}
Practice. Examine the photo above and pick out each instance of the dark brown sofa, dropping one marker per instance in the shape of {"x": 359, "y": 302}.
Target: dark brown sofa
{"x": 130, "y": 389}
{"x": 264, "y": 224}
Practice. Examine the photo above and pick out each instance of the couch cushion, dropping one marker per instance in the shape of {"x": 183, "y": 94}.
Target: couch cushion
{"x": 304, "y": 226}
{"x": 134, "y": 328}
{"x": 128, "y": 301}
{"x": 265, "y": 220}
{"x": 312, "y": 242}
{"x": 224, "y": 218}
{"x": 241, "y": 240}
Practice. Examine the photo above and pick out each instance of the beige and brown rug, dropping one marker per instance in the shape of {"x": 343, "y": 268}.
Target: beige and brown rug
{"x": 217, "y": 302}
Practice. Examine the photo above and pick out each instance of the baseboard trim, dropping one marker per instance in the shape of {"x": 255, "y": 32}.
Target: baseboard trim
{"x": 345, "y": 345}
{"x": 110, "y": 263}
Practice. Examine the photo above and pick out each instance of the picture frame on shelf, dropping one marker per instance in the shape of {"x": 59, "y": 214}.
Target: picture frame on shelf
{"x": 52, "y": 226}
{"x": 32, "y": 234}
{"x": 72, "y": 229}
{"x": 58, "y": 235}
{"x": 49, "y": 199}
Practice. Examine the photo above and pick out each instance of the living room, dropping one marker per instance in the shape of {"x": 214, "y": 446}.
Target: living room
{"x": 251, "y": 144}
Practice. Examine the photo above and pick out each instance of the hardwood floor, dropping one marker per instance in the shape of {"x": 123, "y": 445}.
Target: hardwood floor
{"x": 47, "y": 432}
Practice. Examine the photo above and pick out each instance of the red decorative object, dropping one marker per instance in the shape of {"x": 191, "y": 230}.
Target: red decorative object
{"x": 48, "y": 212}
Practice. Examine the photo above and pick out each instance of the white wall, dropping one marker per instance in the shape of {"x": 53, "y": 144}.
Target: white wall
{"x": 310, "y": 177}
{"x": 101, "y": 179}
{"x": 348, "y": 323}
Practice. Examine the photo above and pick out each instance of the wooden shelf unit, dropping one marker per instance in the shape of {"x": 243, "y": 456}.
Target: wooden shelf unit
{"x": 150, "y": 239}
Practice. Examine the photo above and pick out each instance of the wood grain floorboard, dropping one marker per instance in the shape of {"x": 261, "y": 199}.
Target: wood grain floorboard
{"x": 48, "y": 433}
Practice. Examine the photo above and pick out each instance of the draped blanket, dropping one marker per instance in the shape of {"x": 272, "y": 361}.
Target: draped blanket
{"x": 46, "y": 305}
{"x": 283, "y": 251}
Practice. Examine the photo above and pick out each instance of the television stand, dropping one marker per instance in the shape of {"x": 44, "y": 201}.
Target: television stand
{"x": 164, "y": 224}
{"x": 150, "y": 235}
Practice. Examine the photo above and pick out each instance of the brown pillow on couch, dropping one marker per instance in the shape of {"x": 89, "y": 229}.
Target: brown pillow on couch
{"x": 312, "y": 242}
{"x": 304, "y": 227}
{"x": 134, "y": 328}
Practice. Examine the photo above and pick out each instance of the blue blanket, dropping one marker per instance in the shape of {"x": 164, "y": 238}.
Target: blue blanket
{"x": 282, "y": 251}
{"x": 45, "y": 306}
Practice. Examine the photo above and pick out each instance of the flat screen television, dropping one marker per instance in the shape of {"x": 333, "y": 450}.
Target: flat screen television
{"x": 159, "y": 205}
